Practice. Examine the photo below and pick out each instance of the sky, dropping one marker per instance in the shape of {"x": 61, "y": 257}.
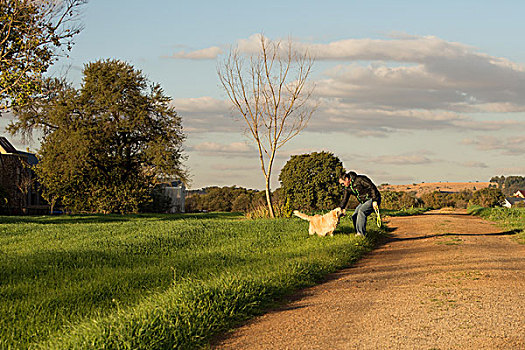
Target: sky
{"x": 407, "y": 91}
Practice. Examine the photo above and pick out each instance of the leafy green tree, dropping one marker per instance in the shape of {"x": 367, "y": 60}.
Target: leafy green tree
{"x": 488, "y": 197}
{"x": 243, "y": 202}
{"x": 310, "y": 181}
{"x": 106, "y": 144}
{"x": 499, "y": 180}
{"x": 462, "y": 199}
{"x": 513, "y": 184}
{"x": 32, "y": 35}
{"x": 510, "y": 184}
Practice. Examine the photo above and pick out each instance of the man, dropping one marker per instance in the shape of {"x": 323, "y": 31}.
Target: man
{"x": 367, "y": 195}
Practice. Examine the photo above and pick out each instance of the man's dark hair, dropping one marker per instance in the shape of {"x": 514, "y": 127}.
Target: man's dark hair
{"x": 349, "y": 175}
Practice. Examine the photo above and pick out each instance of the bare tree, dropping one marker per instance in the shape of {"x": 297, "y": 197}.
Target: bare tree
{"x": 269, "y": 90}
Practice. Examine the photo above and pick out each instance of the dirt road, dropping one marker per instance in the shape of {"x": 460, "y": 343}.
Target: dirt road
{"x": 444, "y": 281}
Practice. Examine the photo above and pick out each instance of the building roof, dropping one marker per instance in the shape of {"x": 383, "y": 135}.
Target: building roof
{"x": 6, "y": 147}
{"x": 514, "y": 200}
{"x": 31, "y": 157}
{"x": 520, "y": 193}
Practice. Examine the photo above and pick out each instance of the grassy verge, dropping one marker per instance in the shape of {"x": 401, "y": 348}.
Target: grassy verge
{"x": 508, "y": 218}
{"x": 154, "y": 281}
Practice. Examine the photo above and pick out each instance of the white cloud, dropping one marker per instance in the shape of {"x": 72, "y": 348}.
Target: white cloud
{"x": 234, "y": 167}
{"x": 411, "y": 159}
{"x": 513, "y": 146}
{"x": 400, "y": 49}
{"x": 471, "y": 164}
{"x": 339, "y": 116}
{"x": 430, "y": 73}
{"x": 286, "y": 154}
{"x": 203, "y": 104}
{"x": 452, "y": 85}
{"x": 207, "y": 114}
{"x": 511, "y": 171}
{"x": 490, "y": 125}
{"x": 496, "y": 107}
{"x": 407, "y": 49}
{"x": 231, "y": 149}
{"x": 409, "y": 83}
{"x": 203, "y": 54}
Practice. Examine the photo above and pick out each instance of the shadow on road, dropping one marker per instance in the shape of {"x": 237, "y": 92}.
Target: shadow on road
{"x": 505, "y": 233}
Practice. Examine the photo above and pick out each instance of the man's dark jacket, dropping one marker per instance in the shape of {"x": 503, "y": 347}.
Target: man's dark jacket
{"x": 361, "y": 187}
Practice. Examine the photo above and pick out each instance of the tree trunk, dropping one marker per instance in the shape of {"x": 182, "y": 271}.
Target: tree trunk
{"x": 52, "y": 206}
{"x": 269, "y": 198}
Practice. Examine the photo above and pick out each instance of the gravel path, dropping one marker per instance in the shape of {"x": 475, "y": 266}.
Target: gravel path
{"x": 444, "y": 281}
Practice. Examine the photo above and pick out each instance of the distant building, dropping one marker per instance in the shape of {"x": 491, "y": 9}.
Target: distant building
{"x": 519, "y": 194}
{"x": 176, "y": 191}
{"x": 513, "y": 202}
{"x": 18, "y": 182}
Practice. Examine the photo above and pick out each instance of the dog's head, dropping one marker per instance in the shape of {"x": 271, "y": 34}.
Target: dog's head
{"x": 338, "y": 212}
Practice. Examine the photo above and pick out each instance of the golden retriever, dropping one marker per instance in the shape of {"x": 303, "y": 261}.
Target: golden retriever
{"x": 322, "y": 224}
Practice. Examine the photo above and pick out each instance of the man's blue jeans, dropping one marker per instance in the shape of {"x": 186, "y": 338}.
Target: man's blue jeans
{"x": 360, "y": 214}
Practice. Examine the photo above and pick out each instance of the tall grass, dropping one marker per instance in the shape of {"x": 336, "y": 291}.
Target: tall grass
{"x": 153, "y": 281}
{"x": 261, "y": 211}
{"x": 508, "y": 218}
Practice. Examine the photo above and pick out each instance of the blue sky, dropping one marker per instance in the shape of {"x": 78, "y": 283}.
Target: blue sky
{"x": 411, "y": 91}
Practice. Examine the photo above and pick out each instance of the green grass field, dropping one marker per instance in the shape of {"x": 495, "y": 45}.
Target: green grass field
{"x": 508, "y": 218}
{"x": 154, "y": 281}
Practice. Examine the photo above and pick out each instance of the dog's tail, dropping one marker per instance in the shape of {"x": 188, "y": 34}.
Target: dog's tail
{"x": 301, "y": 215}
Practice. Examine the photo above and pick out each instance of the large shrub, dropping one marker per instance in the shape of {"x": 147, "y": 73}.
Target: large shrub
{"x": 437, "y": 200}
{"x": 488, "y": 197}
{"x": 310, "y": 181}
{"x": 462, "y": 199}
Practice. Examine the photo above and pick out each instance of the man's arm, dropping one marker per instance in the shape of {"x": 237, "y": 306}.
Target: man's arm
{"x": 345, "y": 199}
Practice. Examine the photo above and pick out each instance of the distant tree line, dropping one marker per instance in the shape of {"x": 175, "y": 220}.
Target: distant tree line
{"x": 228, "y": 199}
{"x": 510, "y": 184}
{"x": 309, "y": 183}
{"x": 238, "y": 199}
{"x": 485, "y": 197}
